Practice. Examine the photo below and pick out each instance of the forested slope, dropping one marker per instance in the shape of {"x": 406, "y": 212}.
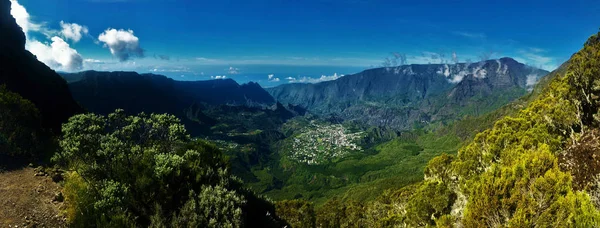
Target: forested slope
{"x": 535, "y": 167}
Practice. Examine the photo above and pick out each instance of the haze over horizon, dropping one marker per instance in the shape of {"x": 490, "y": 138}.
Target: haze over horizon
{"x": 309, "y": 41}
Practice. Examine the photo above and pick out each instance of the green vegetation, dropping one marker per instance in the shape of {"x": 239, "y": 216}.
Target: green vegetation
{"x": 533, "y": 163}
{"x": 535, "y": 167}
{"x": 298, "y": 213}
{"x": 359, "y": 176}
{"x": 132, "y": 171}
{"x": 21, "y": 134}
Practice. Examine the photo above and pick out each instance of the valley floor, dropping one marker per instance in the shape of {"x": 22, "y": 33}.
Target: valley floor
{"x": 28, "y": 200}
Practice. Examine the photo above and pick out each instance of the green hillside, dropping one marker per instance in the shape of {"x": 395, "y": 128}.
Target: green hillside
{"x": 536, "y": 166}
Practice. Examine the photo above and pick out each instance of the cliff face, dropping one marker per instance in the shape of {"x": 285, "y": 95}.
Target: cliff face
{"x": 103, "y": 92}
{"x": 22, "y": 73}
{"x": 199, "y": 104}
{"x": 398, "y": 86}
{"x": 12, "y": 35}
{"x": 226, "y": 91}
{"x": 401, "y": 96}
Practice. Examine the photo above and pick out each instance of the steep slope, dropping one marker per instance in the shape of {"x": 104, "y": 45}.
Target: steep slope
{"x": 393, "y": 164}
{"x": 104, "y": 91}
{"x": 226, "y": 91}
{"x": 402, "y": 96}
{"x": 537, "y": 166}
{"x": 242, "y": 119}
{"x": 202, "y": 105}
{"x": 22, "y": 73}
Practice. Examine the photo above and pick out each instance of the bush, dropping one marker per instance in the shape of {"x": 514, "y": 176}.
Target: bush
{"x": 21, "y": 134}
{"x": 145, "y": 171}
{"x": 299, "y": 213}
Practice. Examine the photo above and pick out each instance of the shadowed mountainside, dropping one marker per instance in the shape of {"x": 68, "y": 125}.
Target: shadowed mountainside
{"x": 200, "y": 104}
{"x": 22, "y": 73}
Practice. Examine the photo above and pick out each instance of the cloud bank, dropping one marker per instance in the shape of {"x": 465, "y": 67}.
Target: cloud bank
{"x": 123, "y": 44}
{"x": 323, "y": 78}
{"x": 57, "y": 54}
{"x": 22, "y": 17}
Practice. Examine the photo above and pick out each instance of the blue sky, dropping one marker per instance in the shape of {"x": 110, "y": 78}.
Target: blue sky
{"x": 200, "y": 39}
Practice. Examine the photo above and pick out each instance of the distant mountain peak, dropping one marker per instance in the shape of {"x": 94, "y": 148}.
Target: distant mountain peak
{"x": 398, "y": 96}
{"x": 508, "y": 59}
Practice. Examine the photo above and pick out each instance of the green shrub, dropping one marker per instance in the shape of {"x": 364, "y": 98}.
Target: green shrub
{"x": 298, "y": 213}
{"x": 144, "y": 171}
{"x": 21, "y": 134}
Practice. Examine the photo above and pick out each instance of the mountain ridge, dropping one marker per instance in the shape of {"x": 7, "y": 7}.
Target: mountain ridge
{"x": 417, "y": 93}
{"x": 200, "y": 104}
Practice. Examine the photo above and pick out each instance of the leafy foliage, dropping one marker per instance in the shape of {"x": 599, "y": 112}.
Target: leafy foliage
{"x": 144, "y": 170}
{"x": 299, "y": 213}
{"x": 533, "y": 168}
{"x": 21, "y": 133}
{"x": 359, "y": 176}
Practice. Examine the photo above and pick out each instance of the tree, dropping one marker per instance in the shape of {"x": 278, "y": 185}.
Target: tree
{"x": 584, "y": 76}
{"x": 21, "y": 133}
{"x": 431, "y": 201}
{"x": 145, "y": 170}
{"x": 299, "y": 213}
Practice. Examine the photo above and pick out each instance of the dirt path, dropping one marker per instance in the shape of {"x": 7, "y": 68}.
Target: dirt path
{"x": 27, "y": 200}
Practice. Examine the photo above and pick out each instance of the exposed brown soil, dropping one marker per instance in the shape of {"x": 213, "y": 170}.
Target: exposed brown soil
{"x": 29, "y": 199}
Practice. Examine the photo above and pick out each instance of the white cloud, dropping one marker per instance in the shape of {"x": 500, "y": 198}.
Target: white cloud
{"x": 202, "y": 59}
{"x": 314, "y": 80}
{"x": 73, "y": 31}
{"x": 532, "y": 79}
{"x": 92, "y": 61}
{"x": 22, "y": 17}
{"x": 123, "y": 44}
{"x": 534, "y": 57}
{"x": 455, "y": 73}
{"x": 444, "y": 70}
{"x": 233, "y": 70}
{"x": 272, "y": 78}
{"x": 58, "y": 55}
{"x": 218, "y": 77}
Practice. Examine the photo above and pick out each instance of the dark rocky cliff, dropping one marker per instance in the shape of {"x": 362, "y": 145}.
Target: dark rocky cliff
{"x": 103, "y": 92}
{"x": 22, "y": 73}
{"x": 199, "y": 104}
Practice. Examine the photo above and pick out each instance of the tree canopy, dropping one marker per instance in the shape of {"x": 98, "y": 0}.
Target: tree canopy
{"x": 144, "y": 170}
